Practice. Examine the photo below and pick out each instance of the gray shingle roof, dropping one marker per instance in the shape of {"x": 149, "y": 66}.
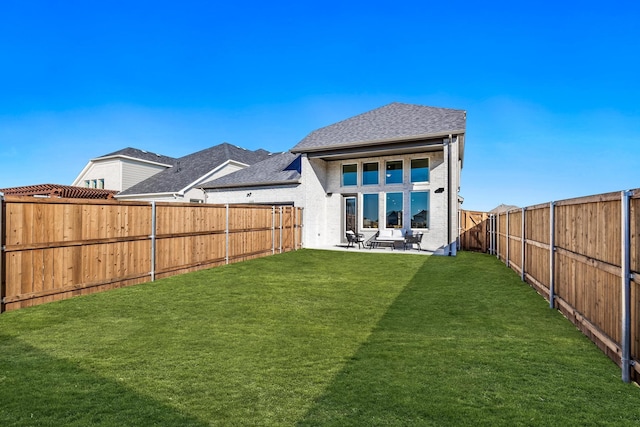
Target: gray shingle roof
{"x": 267, "y": 172}
{"x": 142, "y": 155}
{"x": 393, "y": 121}
{"x": 193, "y": 167}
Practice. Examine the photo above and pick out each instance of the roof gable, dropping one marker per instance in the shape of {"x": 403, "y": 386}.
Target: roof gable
{"x": 395, "y": 121}
{"x": 136, "y": 153}
{"x": 194, "y": 167}
{"x": 277, "y": 169}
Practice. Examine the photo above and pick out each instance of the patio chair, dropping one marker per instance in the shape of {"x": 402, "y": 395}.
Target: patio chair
{"x": 353, "y": 238}
{"x": 413, "y": 239}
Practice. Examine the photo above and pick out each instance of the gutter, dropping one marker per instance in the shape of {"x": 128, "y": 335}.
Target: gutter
{"x": 357, "y": 144}
{"x": 250, "y": 185}
{"x": 449, "y": 194}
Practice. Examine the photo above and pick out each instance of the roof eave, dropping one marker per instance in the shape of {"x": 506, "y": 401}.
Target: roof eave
{"x": 364, "y": 144}
{"x": 120, "y": 156}
{"x": 249, "y": 184}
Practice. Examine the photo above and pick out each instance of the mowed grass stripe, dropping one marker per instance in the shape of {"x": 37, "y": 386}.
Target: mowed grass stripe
{"x": 311, "y": 338}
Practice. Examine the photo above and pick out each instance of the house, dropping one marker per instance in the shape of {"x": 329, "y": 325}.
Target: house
{"x": 395, "y": 167}
{"x": 141, "y": 175}
{"x": 122, "y": 169}
{"x": 273, "y": 181}
{"x": 58, "y": 191}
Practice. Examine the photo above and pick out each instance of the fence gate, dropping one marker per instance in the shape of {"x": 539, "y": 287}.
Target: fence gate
{"x": 474, "y": 231}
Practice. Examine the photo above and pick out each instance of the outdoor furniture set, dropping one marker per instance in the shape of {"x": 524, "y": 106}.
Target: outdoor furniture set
{"x": 390, "y": 237}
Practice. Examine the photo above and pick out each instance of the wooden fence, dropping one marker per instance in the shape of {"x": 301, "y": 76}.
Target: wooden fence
{"x": 54, "y": 249}
{"x": 474, "y": 231}
{"x": 583, "y": 256}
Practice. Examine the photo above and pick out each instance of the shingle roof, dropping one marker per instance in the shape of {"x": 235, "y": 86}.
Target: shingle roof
{"x": 57, "y": 190}
{"x": 390, "y": 122}
{"x": 142, "y": 155}
{"x": 267, "y": 172}
{"x": 193, "y": 167}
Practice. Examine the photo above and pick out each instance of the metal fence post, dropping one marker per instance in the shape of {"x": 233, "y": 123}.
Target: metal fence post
{"x": 273, "y": 230}
{"x": 153, "y": 240}
{"x": 626, "y": 286}
{"x": 523, "y": 245}
{"x": 508, "y": 261}
{"x": 552, "y": 250}
{"x": 293, "y": 229}
{"x": 226, "y": 235}
{"x": 498, "y": 236}
{"x": 2, "y": 254}
{"x": 281, "y": 226}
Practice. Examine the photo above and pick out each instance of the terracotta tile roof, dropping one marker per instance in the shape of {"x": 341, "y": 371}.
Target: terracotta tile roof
{"x": 57, "y": 190}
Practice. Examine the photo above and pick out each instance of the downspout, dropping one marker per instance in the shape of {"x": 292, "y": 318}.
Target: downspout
{"x": 449, "y": 194}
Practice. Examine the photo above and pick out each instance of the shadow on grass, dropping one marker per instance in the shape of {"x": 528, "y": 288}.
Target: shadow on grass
{"x": 466, "y": 343}
{"x": 79, "y": 398}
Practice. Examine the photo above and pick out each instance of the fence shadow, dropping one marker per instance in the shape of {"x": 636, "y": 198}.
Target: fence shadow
{"x": 38, "y": 389}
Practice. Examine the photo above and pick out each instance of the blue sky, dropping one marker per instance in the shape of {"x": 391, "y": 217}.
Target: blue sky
{"x": 550, "y": 88}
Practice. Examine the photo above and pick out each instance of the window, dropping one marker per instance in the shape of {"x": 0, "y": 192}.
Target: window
{"x": 349, "y": 175}
{"x": 419, "y": 209}
{"x": 94, "y": 183}
{"x": 394, "y": 210}
{"x": 419, "y": 170}
{"x": 370, "y": 211}
{"x": 369, "y": 173}
{"x": 101, "y": 183}
{"x": 394, "y": 172}
{"x": 87, "y": 183}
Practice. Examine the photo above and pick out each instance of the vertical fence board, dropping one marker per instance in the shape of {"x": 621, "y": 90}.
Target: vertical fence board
{"x": 59, "y": 248}
{"x": 587, "y": 235}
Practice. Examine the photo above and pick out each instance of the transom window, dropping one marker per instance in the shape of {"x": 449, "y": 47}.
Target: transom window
{"x": 370, "y": 173}
{"x": 349, "y": 175}
{"x": 393, "y": 173}
{"x": 419, "y": 170}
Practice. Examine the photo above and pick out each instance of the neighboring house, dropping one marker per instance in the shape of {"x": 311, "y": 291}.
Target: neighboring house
{"x": 122, "y": 169}
{"x": 140, "y": 175}
{"x": 275, "y": 180}
{"x": 502, "y": 208}
{"x": 58, "y": 191}
{"x": 397, "y": 166}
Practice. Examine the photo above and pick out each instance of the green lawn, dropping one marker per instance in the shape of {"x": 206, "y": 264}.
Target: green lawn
{"x": 311, "y": 338}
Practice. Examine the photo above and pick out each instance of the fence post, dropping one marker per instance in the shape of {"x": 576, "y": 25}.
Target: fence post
{"x": 281, "y": 225}
{"x": 626, "y": 286}
{"x": 523, "y": 246}
{"x": 508, "y": 261}
{"x": 153, "y": 240}
{"x": 490, "y": 233}
{"x": 273, "y": 230}
{"x": 2, "y": 253}
{"x": 293, "y": 228}
{"x": 552, "y": 250}
{"x": 497, "y": 236}
{"x": 226, "y": 235}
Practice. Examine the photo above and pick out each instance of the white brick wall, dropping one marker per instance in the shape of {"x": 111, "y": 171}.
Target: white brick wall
{"x": 322, "y": 197}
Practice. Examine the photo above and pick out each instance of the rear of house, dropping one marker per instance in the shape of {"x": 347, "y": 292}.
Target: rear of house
{"x": 395, "y": 167}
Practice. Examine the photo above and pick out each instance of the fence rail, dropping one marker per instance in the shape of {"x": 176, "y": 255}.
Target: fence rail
{"x": 54, "y": 249}
{"x": 583, "y": 256}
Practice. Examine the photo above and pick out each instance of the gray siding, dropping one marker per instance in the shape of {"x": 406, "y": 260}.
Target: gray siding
{"x": 133, "y": 172}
